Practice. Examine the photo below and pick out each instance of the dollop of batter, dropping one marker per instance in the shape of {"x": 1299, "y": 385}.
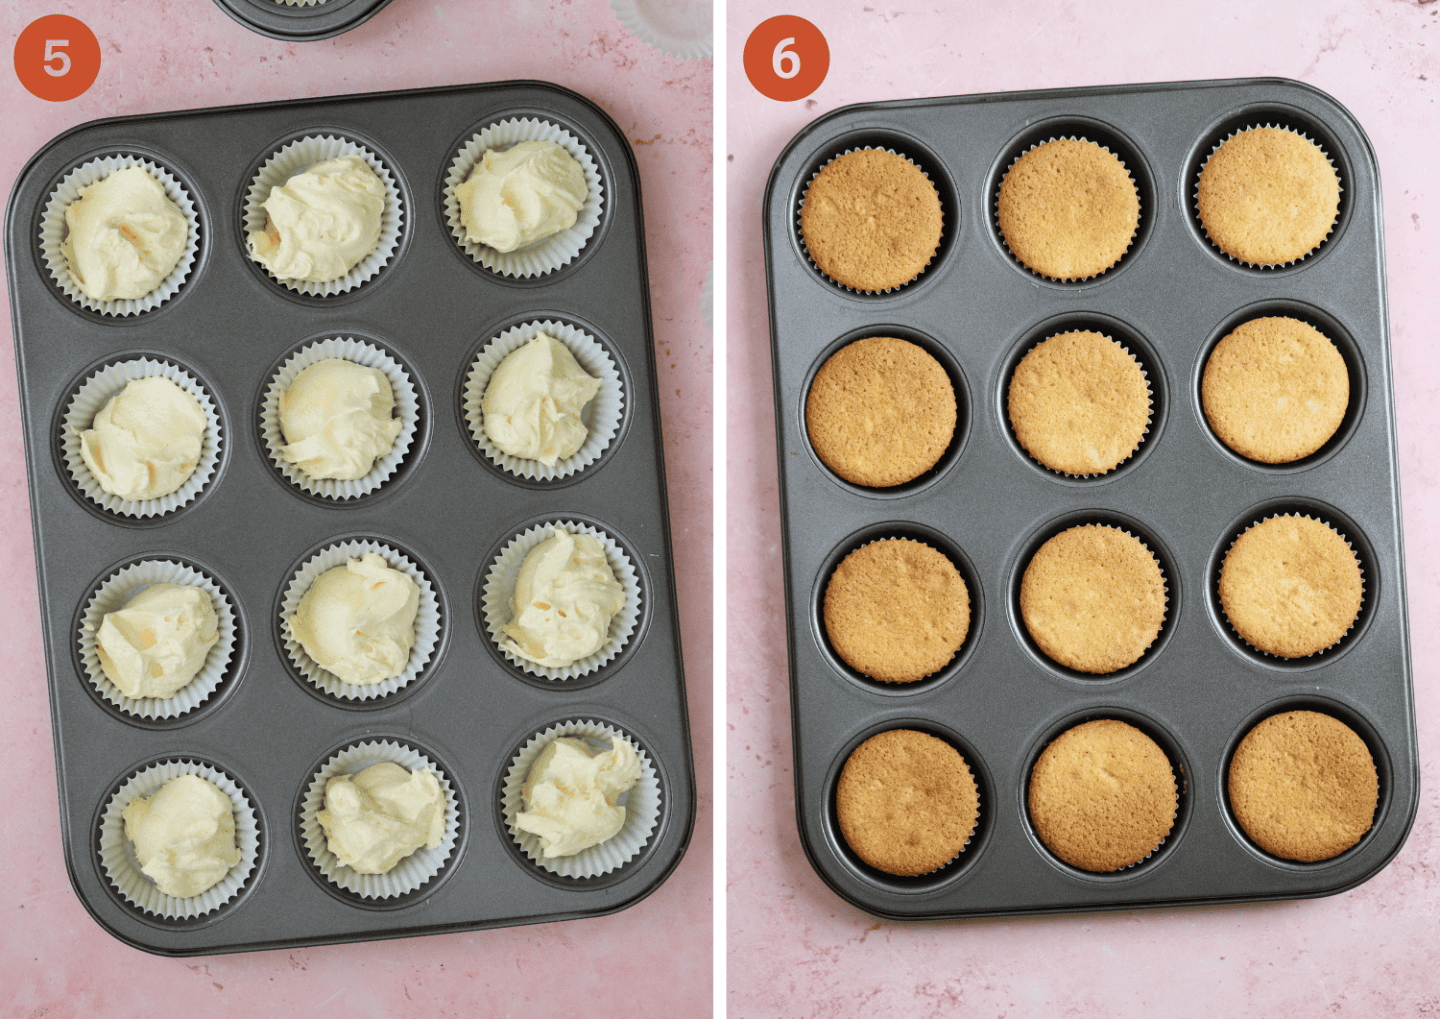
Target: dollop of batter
{"x": 358, "y": 620}
{"x": 533, "y": 402}
{"x": 570, "y": 794}
{"x": 376, "y": 818}
{"x": 158, "y": 642}
{"x": 564, "y": 598}
{"x": 524, "y": 194}
{"x": 124, "y": 236}
{"x": 338, "y": 419}
{"x": 321, "y": 222}
{"x": 184, "y": 835}
{"x": 145, "y": 441}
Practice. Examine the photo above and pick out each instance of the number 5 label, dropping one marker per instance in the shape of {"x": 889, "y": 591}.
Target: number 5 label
{"x": 57, "y": 58}
{"x": 786, "y": 58}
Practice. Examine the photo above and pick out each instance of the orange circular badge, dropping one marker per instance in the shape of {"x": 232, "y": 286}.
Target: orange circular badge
{"x": 57, "y": 57}
{"x": 786, "y": 58}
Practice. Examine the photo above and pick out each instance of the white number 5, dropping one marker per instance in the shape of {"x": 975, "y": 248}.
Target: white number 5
{"x": 53, "y": 54}
{"x": 780, "y": 59}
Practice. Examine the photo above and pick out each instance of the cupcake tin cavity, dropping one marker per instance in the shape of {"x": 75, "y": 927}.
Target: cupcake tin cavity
{"x": 988, "y": 506}
{"x": 444, "y": 507}
{"x": 301, "y": 20}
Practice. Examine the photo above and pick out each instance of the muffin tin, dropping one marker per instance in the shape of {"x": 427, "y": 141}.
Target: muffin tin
{"x": 1198, "y": 689}
{"x": 301, "y": 21}
{"x": 446, "y": 508}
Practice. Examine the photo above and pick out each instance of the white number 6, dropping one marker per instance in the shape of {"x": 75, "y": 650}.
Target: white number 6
{"x": 52, "y": 54}
{"x": 778, "y": 60}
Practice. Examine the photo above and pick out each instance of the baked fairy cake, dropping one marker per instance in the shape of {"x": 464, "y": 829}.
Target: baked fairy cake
{"x": 1102, "y": 795}
{"x": 896, "y": 610}
{"x": 906, "y": 802}
{"x": 880, "y": 412}
{"x": 1268, "y": 196}
{"x": 1303, "y": 786}
{"x": 871, "y": 220}
{"x": 1079, "y": 403}
{"x": 1291, "y": 586}
{"x": 1275, "y": 389}
{"x": 1068, "y": 209}
{"x": 1093, "y": 598}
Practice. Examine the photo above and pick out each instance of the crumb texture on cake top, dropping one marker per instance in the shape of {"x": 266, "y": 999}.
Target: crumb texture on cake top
{"x": 1093, "y": 598}
{"x": 1291, "y": 586}
{"x": 871, "y": 220}
{"x": 1268, "y": 196}
{"x": 1079, "y": 403}
{"x": 896, "y": 610}
{"x": 906, "y": 802}
{"x": 881, "y": 412}
{"x": 1303, "y": 786}
{"x": 1102, "y": 795}
{"x": 1068, "y": 209}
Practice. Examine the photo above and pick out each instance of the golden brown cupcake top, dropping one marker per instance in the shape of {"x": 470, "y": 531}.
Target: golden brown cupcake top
{"x": 1268, "y": 196}
{"x": 906, "y": 802}
{"x": 871, "y": 220}
{"x": 1079, "y": 403}
{"x": 1068, "y": 209}
{"x": 1303, "y": 786}
{"x": 1093, "y": 598}
{"x": 1275, "y": 389}
{"x": 1102, "y": 795}
{"x": 880, "y": 412}
{"x": 896, "y": 610}
{"x": 1291, "y": 586}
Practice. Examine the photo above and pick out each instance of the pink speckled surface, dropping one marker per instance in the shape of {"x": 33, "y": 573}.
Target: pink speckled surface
{"x": 653, "y": 959}
{"x": 795, "y": 949}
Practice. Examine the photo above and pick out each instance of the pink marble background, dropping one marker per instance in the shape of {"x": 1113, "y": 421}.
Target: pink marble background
{"x": 653, "y": 959}
{"x": 795, "y": 949}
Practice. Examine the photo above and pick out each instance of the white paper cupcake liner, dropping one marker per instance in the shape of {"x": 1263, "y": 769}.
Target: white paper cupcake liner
{"x": 1340, "y": 641}
{"x": 53, "y": 232}
{"x": 1164, "y": 584}
{"x": 117, "y": 854}
{"x": 677, "y": 28}
{"x": 995, "y": 211}
{"x": 300, "y": 3}
{"x": 297, "y": 157}
{"x": 112, "y": 595}
{"x": 500, "y": 587}
{"x": 407, "y": 402}
{"x": 601, "y": 415}
{"x": 408, "y": 874}
{"x": 1195, "y": 199}
{"x": 94, "y": 393}
{"x": 800, "y": 233}
{"x": 641, "y": 802}
{"x": 549, "y": 253}
{"x": 1149, "y": 412}
{"x": 427, "y": 621}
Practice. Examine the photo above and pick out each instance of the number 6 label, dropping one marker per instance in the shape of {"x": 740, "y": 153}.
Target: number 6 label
{"x": 786, "y": 58}
{"x": 57, "y": 58}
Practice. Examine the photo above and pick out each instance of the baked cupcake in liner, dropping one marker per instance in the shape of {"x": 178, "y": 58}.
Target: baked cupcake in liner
{"x": 500, "y": 586}
{"x": 641, "y": 802}
{"x": 407, "y": 403}
{"x": 53, "y": 231}
{"x": 549, "y": 253}
{"x": 91, "y": 397}
{"x": 1359, "y": 563}
{"x": 891, "y": 684}
{"x": 119, "y": 588}
{"x": 408, "y": 874}
{"x": 959, "y": 856}
{"x": 117, "y": 853}
{"x": 1195, "y": 197}
{"x": 1179, "y": 791}
{"x": 427, "y": 621}
{"x": 679, "y": 28}
{"x": 1149, "y": 413}
{"x": 601, "y": 415}
{"x": 995, "y": 210}
{"x": 800, "y": 233}
{"x": 1164, "y": 593}
{"x": 297, "y": 157}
